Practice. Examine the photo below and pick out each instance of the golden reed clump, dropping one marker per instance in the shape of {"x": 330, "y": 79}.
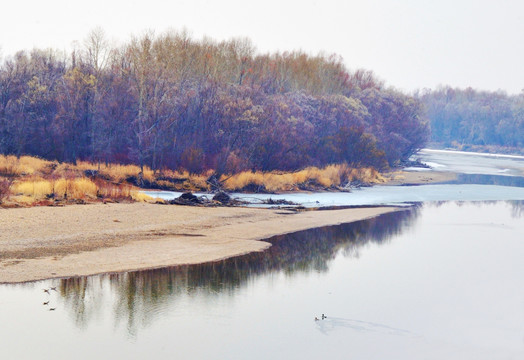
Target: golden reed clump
{"x": 12, "y": 166}
{"x": 63, "y": 188}
{"x": 29, "y": 180}
{"x": 116, "y": 172}
{"x": 331, "y": 176}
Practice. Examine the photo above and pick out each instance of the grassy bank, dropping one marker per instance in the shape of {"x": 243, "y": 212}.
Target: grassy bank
{"x": 29, "y": 181}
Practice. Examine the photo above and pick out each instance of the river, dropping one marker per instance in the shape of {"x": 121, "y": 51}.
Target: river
{"x": 441, "y": 279}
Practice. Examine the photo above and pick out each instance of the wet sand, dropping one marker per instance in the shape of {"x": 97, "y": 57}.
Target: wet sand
{"x": 418, "y": 177}
{"x": 50, "y": 242}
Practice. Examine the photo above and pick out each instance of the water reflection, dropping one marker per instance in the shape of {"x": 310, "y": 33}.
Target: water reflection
{"x": 517, "y": 206}
{"x": 484, "y": 179}
{"x": 137, "y": 298}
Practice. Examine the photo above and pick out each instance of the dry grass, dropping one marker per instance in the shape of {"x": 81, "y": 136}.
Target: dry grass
{"x": 80, "y": 188}
{"x": 37, "y": 189}
{"x": 366, "y": 175}
{"x": 11, "y": 166}
{"x": 63, "y": 188}
{"x": 199, "y": 181}
{"x": 116, "y": 172}
{"x": 332, "y": 176}
{"x": 174, "y": 174}
{"x": 22, "y": 200}
{"x": 182, "y": 180}
{"x": 141, "y": 197}
{"x": 108, "y": 190}
{"x": 30, "y": 180}
{"x": 242, "y": 180}
{"x": 33, "y": 181}
{"x": 5, "y": 189}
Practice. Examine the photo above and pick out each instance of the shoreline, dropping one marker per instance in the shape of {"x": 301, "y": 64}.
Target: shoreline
{"x": 40, "y": 243}
{"x": 403, "y": 178}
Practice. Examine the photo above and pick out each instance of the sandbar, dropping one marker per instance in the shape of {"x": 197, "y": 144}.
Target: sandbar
{"x": 419, "y": 177}
{"x": 79, "y": 240}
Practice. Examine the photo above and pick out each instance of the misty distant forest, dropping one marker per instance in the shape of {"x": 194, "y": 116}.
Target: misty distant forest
{"x": 170, "y": 101}
{"x": 470, "y": 119}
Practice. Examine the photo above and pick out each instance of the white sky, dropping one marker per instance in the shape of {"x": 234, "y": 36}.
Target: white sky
{"x": 411, "y": 44}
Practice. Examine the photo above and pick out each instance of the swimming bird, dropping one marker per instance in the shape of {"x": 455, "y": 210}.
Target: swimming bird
{"x": 316, "y": 319}
{"x": 324, "y": 317}
{"x": 46, "y": 303}
{"x": 53, "y": 288}
{"x": 52, "y": 309}
{"x": 46, "y": 290}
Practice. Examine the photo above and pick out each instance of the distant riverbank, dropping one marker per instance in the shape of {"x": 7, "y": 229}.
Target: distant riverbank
{"x": 51, "y": 242}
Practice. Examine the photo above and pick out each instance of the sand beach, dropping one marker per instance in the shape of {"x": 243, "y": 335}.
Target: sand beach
{"x": 53, "y": 242}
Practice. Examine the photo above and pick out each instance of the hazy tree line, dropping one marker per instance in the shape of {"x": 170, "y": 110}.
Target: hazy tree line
{"x": 171, "y": 101}
{"x": 469, "y": 117}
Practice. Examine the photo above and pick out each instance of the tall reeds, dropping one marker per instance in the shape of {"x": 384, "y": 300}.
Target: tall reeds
{"x": 331, "y": 176}
{"x": 63, "y": 188}
{"x": 12, "y": 166}
{"x": 117, "y": 172}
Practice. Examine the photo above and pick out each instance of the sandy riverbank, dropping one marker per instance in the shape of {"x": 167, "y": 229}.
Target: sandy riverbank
{"x": 48, "y": 242}
{"x": 418, "y": 177}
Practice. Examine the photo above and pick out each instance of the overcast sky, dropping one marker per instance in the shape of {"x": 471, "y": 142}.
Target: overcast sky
{"x": 411, "y": 44}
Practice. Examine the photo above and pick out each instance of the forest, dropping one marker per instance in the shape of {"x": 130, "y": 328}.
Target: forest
{"x": 169, "y": 101}
{"x": 475, "y": 120}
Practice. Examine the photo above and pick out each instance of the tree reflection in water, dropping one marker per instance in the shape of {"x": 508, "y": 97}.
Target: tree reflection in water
{"x": 517, "y": 208}
{"x": 484, "y": 179}
{"x": 137, "y": 297}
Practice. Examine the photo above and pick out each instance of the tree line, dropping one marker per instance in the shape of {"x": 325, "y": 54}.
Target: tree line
{"x": 170, "y": 101}
{"x": 468, "y": 117}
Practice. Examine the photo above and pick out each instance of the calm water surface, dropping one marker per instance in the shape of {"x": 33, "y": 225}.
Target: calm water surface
{"x": 436, "y": 281}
